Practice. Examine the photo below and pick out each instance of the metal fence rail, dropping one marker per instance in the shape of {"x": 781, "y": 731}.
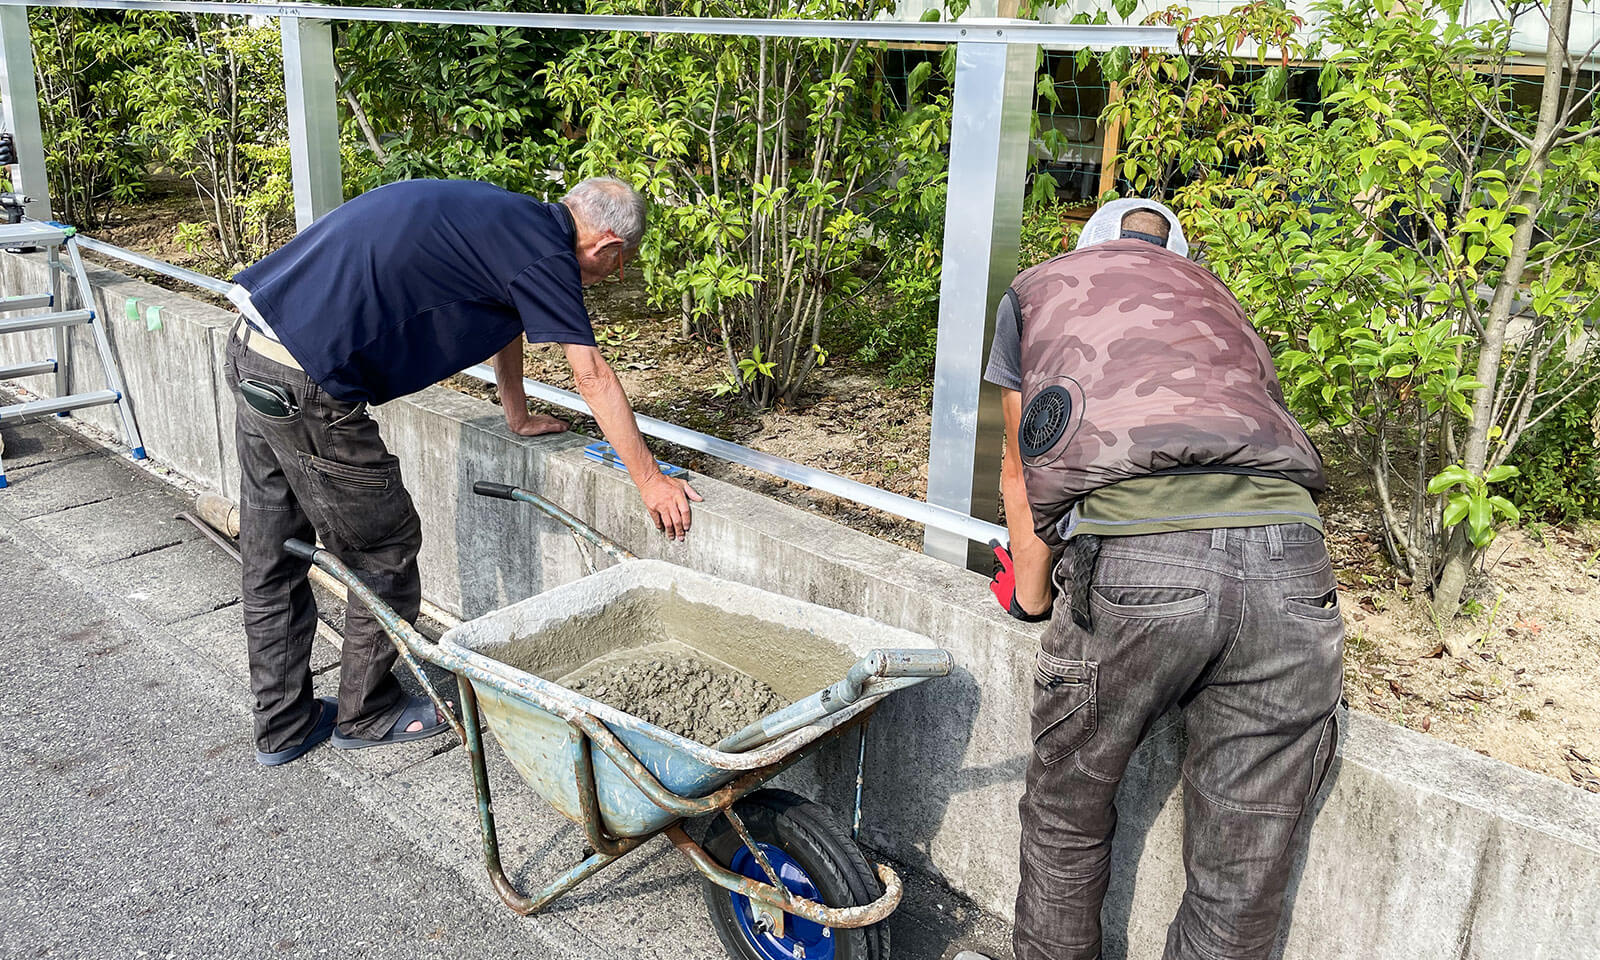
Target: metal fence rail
{"x": 992, "y": 106}
{"x": 993, "y": 30}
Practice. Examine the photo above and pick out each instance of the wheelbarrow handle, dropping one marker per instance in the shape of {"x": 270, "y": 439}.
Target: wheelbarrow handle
{"x": 879, "y": 671}
{"x": 407, "y": 641}
{"x": 505, "y": 491}
{"x": 488, "y": 488}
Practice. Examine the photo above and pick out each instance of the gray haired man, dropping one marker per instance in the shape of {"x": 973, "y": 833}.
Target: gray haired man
{"x": 395, "y": 290}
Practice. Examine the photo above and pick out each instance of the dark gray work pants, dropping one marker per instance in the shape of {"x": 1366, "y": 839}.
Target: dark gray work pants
{"x": 322, "y": 471}
{"x": 1228, "y": 625}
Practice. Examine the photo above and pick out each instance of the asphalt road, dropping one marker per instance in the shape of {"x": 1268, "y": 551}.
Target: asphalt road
{"x": 137, "y": 823}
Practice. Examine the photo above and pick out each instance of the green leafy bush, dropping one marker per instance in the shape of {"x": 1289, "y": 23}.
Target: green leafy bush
{"x": 1559, "y": 480}
{"x": 899, "y": 328}
{"x": 447, "y": 101}
{"x": 93, "y": 155}
{"x": 209, "y": 103}
{"x": 782, "y": 173}
{"x": 1380, "y": 238}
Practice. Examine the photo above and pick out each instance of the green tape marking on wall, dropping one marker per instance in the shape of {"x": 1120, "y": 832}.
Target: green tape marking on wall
{"x": 152, "y": 318}
{"x": 133, "y": 309}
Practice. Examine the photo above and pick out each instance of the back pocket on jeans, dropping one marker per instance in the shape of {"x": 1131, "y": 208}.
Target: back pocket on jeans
{"x": 1063, "y": 717}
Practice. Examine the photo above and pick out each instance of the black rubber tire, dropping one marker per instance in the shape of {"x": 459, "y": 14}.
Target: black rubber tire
{"x": 809, "y": 833}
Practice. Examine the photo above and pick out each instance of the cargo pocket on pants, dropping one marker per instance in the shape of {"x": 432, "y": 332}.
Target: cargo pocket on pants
{"x": 1327, "y": 749}
{"x": 1063, "y": 717}
{"x": 365, "y": 506}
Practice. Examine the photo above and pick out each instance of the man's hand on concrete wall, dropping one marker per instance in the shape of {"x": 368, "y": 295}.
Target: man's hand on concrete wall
{"x": 667, "y": 499}
{"x": 514, "y": 400}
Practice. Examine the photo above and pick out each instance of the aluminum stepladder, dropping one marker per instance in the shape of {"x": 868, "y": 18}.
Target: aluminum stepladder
{"x": 54, "y": 238}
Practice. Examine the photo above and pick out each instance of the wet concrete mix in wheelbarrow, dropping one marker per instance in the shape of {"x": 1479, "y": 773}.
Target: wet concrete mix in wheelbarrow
{"x": 689, "y": 695}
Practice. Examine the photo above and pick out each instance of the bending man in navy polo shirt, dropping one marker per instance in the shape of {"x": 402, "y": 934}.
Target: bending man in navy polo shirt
{"x": 395, "y": 290}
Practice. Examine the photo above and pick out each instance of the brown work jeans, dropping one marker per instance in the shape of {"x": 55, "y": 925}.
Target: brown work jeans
{"x": 1231, "y": 626}
{"x": 322, "y": 471}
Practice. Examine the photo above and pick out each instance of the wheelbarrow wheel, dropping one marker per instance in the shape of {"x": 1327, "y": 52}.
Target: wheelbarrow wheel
{"x": 816, "y": 859}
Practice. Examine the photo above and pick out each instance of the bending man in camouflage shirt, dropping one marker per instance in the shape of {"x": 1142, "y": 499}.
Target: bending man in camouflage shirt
{"x": 1148, "y": 447}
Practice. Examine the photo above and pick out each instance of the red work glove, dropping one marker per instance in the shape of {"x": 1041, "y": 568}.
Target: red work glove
{"x": 1004, "y": 587}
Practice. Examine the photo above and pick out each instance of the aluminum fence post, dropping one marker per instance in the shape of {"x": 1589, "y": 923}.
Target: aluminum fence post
{"x": 21, "y": 109}
{"x": 312, "y": 98}
{"x": 991, "y": 114}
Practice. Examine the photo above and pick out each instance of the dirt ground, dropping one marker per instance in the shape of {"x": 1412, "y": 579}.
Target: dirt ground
{"x": 1525, "y": 694}
{"x": 1525, "y": 691}
{"x": 847, "y": 422}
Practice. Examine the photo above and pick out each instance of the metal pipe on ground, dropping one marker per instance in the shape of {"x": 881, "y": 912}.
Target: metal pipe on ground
{"x": 324, "y": 629}
{"x": 222, "y": 515}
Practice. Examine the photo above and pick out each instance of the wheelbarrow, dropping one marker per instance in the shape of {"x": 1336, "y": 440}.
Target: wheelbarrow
{"x": 783, "y": 880}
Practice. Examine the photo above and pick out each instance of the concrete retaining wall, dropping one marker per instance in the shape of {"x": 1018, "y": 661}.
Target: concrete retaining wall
{"x": 1421, "y": 849}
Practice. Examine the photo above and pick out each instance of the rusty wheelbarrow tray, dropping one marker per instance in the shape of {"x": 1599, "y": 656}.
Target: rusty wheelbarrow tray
{"x": 623, "y": 779}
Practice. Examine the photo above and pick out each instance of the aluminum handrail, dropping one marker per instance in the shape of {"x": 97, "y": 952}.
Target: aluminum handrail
{"x": 991, "y": 30}
{"x": 159, "y": 266}
{"x": 907, "y": 508}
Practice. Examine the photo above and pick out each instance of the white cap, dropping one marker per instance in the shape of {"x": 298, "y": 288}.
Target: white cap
{"x": 1106, "y": 224}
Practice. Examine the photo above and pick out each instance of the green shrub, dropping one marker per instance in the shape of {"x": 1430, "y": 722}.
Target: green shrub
{"x": 899, "y": 329}
{"x": 1559, "y": 482}
{"x": 439, "y": 100}
{"x": 209, "y": 100}
{"x": 1046, "y": 231}
{"x": 782, "y": 174}
{"x": 93, "y": 154}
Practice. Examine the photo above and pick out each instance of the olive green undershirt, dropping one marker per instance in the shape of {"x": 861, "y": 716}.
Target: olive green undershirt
{"x": 1197, "y": 501}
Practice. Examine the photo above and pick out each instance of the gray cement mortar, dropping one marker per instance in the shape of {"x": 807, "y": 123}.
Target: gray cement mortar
{"x": 673, "y": 687}
{"x": 611, "y": 613}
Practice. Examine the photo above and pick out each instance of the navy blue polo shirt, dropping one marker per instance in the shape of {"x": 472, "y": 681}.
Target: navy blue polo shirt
{"x": 417, "y": 280}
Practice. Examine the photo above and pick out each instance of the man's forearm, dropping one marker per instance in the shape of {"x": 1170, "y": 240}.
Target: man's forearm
{"x": 508, "y": 379}
{"x": 607, "y": 401}
{"x": 1030, "y": 556}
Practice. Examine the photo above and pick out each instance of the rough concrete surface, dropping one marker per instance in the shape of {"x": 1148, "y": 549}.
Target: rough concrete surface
{"x": 134, "y": 820}
{"x": 672, "y": 687}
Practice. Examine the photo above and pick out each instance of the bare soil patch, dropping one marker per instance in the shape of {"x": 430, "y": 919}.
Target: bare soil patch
{"x": 847, "y": 421}
{"x": 1526, "y": 694}
{"x": 150, "y": 226}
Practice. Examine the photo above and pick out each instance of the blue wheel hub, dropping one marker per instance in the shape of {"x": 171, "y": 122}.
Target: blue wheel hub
{"x": 802, "y": 939}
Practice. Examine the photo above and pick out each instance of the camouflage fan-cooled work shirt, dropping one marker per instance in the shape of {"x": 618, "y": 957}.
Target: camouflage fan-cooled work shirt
{"x": 1149, "y": 402}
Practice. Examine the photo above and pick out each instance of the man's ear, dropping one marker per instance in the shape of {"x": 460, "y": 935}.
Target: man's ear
{"x": 601, "y": 243}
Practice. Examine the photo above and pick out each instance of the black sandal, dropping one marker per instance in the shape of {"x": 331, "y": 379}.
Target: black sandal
{"x": 418, "y": 710}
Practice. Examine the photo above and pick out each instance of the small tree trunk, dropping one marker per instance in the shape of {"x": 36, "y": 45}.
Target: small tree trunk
{"x": 1459, "y": 551}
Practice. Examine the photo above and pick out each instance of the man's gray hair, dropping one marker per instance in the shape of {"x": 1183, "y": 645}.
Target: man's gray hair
{"x": 606, "y": 203}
